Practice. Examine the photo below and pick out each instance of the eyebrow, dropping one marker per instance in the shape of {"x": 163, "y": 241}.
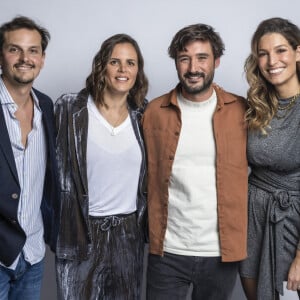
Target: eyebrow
{"x": 197, "y": 54}
{"x": 127, "y": 59}
{"x": 278, "y": 46}
{"x": 18, "y": 46}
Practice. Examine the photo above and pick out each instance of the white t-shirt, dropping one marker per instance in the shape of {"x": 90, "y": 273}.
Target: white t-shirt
{"x": 192, "y": 227}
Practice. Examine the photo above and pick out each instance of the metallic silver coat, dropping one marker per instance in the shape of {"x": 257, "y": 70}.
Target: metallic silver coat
{"x": 71, "y": 114}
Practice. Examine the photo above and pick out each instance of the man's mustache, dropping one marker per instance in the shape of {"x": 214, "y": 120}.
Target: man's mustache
{"x": 24, "y": 65}
{"x": 194, "y": 74}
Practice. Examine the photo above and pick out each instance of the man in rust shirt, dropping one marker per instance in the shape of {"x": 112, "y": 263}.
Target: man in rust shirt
{"x": 197, "y": 178}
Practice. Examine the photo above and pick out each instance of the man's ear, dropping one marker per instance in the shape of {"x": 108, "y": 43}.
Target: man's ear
{"x": 217, "y": 62}
{"x": 298, "y": 53}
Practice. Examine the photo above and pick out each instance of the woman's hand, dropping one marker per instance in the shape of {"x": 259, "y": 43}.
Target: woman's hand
{"x": 294, "y": 274}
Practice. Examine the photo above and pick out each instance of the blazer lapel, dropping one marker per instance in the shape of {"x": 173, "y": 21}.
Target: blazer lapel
{"x": 6, "y": 146}
{"x": 48, "y": 122}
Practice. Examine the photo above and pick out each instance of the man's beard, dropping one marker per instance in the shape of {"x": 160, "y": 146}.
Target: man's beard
{"x": 207, "y": 81}
{"x": 23, "y": 80}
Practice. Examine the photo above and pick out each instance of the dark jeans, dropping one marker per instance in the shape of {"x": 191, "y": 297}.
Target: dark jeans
{"x": 169, "y": 277}
{"x": 23, "y": 283}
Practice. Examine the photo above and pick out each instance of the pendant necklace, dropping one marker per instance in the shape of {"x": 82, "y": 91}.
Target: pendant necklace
{"x": 114, "y": 126}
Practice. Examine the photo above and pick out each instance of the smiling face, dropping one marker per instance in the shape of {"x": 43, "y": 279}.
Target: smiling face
{"x": 195, "y": 67}
{"x": 122, "y": 69}
{"x": 22, "y": 57}
{"x": 277, "y": 61}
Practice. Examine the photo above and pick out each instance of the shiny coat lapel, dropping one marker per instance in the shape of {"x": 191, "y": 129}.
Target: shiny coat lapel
{"x": 80, "y": 127}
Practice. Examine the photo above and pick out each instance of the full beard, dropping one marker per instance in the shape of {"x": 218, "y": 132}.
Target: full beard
{"x": 193, "y": 90}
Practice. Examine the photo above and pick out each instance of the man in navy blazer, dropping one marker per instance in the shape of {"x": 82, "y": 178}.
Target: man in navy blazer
{"x": 28, "y": 173}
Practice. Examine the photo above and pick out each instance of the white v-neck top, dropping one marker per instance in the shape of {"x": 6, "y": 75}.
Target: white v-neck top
{"x": 113, "y": 165}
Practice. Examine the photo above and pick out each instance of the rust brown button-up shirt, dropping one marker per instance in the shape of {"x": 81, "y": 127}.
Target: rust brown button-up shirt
{"x": 161, "y": 126}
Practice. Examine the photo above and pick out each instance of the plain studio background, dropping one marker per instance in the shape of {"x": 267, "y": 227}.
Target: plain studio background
{"x": 78, "y": 27}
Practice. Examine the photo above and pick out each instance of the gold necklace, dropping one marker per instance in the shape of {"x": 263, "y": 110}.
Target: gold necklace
{"x": 114, "y": 125}
{"x": 287, "y": 107}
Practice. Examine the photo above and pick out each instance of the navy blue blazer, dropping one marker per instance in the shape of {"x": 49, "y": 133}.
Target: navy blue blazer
{"x": 12, "y": 236}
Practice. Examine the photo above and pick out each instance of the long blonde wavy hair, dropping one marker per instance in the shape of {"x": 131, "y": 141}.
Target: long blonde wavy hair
{"x": 261, "y": 94}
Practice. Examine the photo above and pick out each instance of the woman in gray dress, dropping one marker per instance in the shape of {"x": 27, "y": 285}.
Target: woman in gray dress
{"x": 273, "y": 74}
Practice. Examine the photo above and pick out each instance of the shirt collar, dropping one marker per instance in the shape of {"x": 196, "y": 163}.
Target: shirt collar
{"x": 5, "y": 97}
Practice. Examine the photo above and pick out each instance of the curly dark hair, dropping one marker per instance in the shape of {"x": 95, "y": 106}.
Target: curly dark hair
{"x": 196, "y": 32}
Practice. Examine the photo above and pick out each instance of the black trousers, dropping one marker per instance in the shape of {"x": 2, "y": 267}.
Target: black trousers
{"x": 114, "y": 269}
{"x": 169, "y": 277}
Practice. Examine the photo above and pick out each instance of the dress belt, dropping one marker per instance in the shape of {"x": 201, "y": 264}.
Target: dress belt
{"x": 280, "y": 203}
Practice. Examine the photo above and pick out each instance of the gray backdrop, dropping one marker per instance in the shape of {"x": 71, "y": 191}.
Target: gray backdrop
{"x": 79, "y": 26}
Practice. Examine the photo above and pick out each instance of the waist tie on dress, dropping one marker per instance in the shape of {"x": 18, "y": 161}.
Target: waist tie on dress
{"x": 278, "y": 208}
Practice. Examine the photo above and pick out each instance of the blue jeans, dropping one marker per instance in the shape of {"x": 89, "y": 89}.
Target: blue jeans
{"x": 23, "y": 283}
{"x": 170, "y": 277}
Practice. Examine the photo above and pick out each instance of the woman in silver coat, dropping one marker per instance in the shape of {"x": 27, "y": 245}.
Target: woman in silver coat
{"x": 102, "y": 171}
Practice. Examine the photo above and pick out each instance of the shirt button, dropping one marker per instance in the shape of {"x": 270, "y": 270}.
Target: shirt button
{"x": 14, "y": 196}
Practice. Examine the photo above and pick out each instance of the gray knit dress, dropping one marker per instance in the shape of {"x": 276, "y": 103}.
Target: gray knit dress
{"x": 274, "y": 202}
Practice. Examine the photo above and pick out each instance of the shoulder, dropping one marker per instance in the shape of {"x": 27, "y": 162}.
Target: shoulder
{"x": 163, "y": 100}
{"x": 163, "y": 97}
{"x": 226, "y": 97}
{"x": 139, "y": 109}
{"x": 43, "y": 98}
{"x": 158, "y": 109}
{"x": 66, "y": 99}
